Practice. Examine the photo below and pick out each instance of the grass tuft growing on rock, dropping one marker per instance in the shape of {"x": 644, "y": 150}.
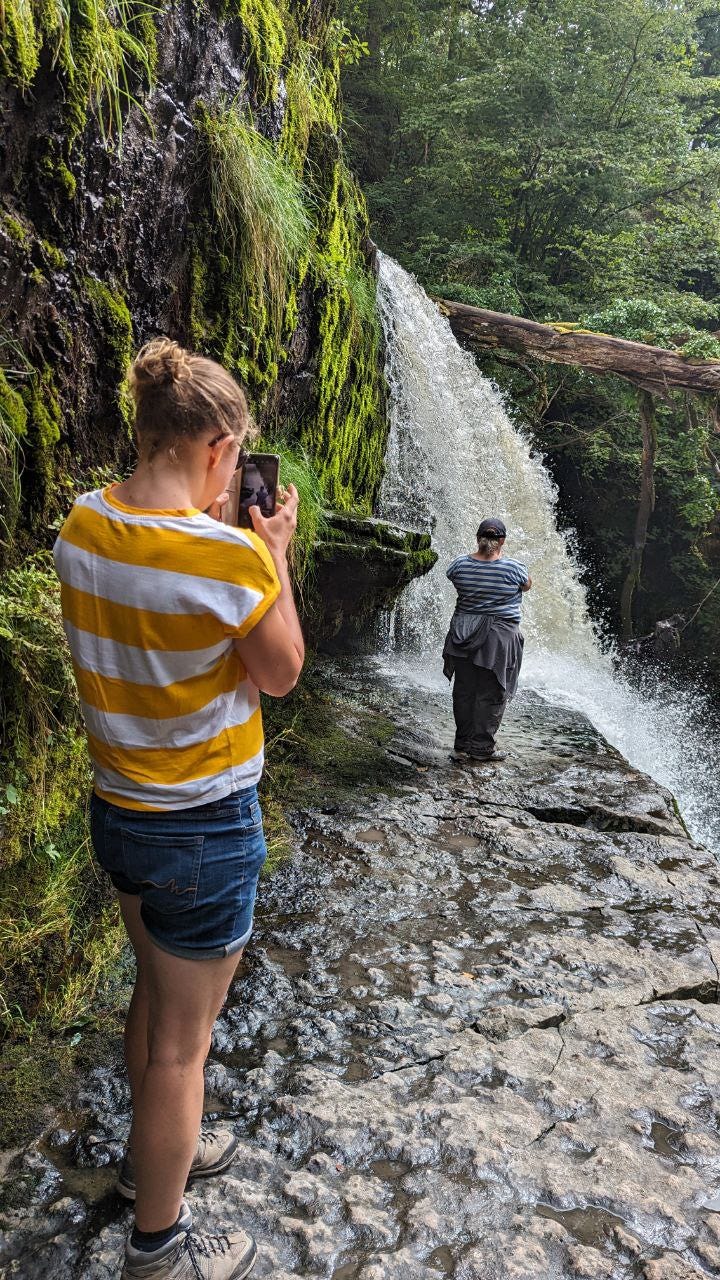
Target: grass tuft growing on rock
{"x": 99, "y": 49}
{"x": 259, "y": 204}
{"x": 297, "y": 468}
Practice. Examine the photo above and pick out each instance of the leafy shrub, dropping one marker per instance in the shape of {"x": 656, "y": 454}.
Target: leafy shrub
{"x": 701, "y": 346}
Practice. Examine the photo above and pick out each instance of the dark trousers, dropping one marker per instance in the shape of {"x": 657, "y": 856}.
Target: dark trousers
{"x": 479, "y": 703}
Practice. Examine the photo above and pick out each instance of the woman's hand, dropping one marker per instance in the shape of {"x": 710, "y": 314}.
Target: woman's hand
{"x": 276, "y": 531}
{"x": 216, "y": 508}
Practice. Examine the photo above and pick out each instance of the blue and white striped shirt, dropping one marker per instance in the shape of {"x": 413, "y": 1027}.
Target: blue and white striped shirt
{"x": 488, "y": 586}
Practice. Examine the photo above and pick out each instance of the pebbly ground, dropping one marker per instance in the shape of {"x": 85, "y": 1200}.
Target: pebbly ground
{"x": 476, "y": 1035}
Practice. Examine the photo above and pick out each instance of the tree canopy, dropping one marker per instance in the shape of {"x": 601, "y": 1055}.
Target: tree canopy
{"x": 546, "y": 156}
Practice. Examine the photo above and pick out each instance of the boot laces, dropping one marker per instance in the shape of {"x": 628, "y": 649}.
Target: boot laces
{"x": 206, "y": 1135}
{"x": 209, "y": 1246}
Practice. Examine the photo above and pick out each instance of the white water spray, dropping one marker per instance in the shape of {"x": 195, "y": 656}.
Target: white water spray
{"x": 454, "y": 457}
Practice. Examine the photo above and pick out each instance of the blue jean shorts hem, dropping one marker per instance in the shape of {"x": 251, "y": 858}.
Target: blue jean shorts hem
{"x": 196, "y": 953}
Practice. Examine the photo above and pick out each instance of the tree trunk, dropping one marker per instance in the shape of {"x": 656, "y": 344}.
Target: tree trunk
{"x": 652, "y": 368}
{"x": 646, "y": 506}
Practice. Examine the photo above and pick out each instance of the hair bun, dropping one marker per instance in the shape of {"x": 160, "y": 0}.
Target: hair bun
{"x": 160, "y": 362}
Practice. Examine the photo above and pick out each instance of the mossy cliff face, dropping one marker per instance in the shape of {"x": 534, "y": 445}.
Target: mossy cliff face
{"x": 181, "y": 172}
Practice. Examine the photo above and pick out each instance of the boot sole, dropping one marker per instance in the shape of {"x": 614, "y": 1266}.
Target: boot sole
{"x": 127, "y": 1190}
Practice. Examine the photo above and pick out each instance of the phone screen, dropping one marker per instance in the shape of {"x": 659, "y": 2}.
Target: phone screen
{"x": 253, "y": 485}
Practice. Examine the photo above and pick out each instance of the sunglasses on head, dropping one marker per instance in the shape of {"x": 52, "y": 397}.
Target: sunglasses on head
{"x": 243, "y": 454}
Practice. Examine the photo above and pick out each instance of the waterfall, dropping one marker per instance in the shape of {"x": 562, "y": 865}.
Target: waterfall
{"x": 455, "y": 457}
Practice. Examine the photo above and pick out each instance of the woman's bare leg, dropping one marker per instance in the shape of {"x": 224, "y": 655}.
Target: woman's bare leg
{"x": 184, "y": 998}
{"x": 136, "y": 1022}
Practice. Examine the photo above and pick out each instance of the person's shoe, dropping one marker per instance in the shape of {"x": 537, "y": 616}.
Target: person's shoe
{"x": 493, "y": 758}
{"x": 460, "y": 757}
{"x": 192, "y": 1256}
{"x": 215, "y": 1151}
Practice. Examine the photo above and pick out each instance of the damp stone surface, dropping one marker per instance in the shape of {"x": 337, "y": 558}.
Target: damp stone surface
{"x": 475, "y": 1034}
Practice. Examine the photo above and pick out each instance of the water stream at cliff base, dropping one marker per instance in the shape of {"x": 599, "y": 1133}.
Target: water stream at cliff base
{"x": 454, "y": 457}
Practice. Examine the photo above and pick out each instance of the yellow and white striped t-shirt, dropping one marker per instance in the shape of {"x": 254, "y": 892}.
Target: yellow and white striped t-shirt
{"x": 152, "y": 603}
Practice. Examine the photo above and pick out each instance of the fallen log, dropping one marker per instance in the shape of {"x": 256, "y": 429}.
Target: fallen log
{"x": 653, "y": 368}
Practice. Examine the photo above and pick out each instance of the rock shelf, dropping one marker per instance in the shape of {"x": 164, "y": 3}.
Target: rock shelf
{"x": 476, "y": 1035}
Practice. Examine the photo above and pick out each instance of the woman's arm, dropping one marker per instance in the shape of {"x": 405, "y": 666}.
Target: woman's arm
{"x": 274, "y": 651}
{"x": 525, "y": 586}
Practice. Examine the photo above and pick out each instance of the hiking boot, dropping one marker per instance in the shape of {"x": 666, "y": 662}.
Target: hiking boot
{"x": 460, "y": 757}
{"x": 215, "y": 1151}
{"x": 192, "y": 1256}
{"x": 494, "y": 757}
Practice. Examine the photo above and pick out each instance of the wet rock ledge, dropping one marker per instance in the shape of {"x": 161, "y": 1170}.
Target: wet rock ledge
{"x": 361, "y": 565}
{"x": 476, "y": 1035}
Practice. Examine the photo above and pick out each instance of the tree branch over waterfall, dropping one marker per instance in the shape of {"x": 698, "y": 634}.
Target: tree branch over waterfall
{"x": 654, "y": 369}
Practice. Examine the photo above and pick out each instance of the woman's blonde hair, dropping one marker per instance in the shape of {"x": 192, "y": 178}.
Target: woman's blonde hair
{"x": 178, "y": 395}
{"x": 486, "y": 545}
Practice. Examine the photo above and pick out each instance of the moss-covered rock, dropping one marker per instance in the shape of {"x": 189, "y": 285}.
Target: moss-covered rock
{"x": 227, "y": 219}
{"x": 112, "y": 317}
{"x": 361, "y": 566}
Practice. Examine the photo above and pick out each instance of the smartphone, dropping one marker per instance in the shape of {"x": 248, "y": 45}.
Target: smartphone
{"x": 253, "y": 485}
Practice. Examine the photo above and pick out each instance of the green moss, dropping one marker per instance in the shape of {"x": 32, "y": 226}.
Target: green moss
{"x": 54, "y": 171}
{"x": 265, "y": 26}
{"x": 16, "y": 230}
{"x": 320, "y": 747}
{"x": 44, "y": 415}
{"x": 53, "y": 256}
{"x": 33, "y": 1078}
{"x": 58, "y": 929}
{"x": 13, "y": 411}
{"x": 67, "y": 181}
{"x": 142, "y": 24}
{"x": 112, "y": 317}
{"x": 250, "y": 267}
{"x": 311, "y": 101}
{"x": 96, "y": 47}
{"x": 21, "y": 42}
{"x": 13, "y": 427}
{"x": 348, "y": 435}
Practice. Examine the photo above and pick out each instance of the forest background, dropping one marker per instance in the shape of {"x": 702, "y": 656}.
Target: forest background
{"x": 560, "y": 160}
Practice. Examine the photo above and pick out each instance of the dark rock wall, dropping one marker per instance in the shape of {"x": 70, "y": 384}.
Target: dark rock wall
{"x": 99, "y": 234}
{"x": 114, "y": 226}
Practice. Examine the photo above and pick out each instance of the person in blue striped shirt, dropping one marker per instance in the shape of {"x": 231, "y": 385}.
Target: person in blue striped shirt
{"x": 483, "y": 647}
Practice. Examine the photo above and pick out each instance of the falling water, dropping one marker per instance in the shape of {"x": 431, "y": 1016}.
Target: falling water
{"x": 454, "y": 457}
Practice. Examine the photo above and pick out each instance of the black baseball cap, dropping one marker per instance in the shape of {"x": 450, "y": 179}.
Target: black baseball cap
{"x": 492, "y": 529}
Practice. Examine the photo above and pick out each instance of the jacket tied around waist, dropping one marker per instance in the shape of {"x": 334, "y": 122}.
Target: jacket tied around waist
{"x": 490, "y": 641}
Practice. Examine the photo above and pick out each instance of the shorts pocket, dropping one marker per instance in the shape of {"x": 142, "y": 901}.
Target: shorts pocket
{"x": 251, "y": 820}
{"x": 166, "y": 868}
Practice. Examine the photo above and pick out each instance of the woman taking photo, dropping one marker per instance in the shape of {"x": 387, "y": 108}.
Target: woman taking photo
{"x": 175, "y": 622}
{"x": 483, "y": 648}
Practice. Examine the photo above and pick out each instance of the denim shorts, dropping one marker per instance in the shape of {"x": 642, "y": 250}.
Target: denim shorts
{"x": 195, "y": 870}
